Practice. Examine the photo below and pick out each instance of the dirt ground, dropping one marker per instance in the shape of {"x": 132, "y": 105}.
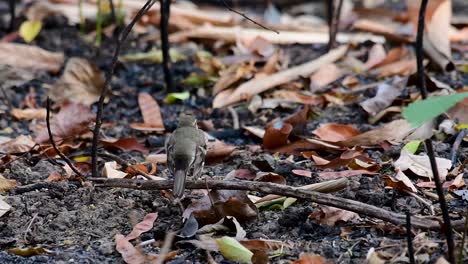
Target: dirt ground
{"x": 78, "y": 224}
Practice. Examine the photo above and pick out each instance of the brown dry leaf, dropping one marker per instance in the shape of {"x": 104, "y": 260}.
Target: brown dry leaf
{"x": 402, "y": 68}
{"x": 276, "y": 134}
{"x": 331, "y": 215}
{"x": 259, "y": 85}
{"x": 144, "y": 226}
{"x": 388, "y": 29}
{"x": 256, "y": 131}
{"x": 130, "y": 254}
{"x": 217, "y": 151}
{"x": 29, "y": 113}
{"x": 81, "y": 82}
{"x": 333, "y": 132}
{"x": 393, "y": 55}
{"x": 270, "y": 177}
{"x": 345, "y": 173}
{"x": 421, "y": 166}
{"x": 111, "y": 171}
{"x": 373, "y": 257}
{"x": 55, "y": 176}
{"x": 457, "y": 183}
{"x": 72, "y": 120}
{"x": 30, "y": 57}
{"x": 257, "y": 45}
{"x": 298, "y": 97}
{"x": 458, "y": 112}
{"x": 308, "y": 258}
{"x": 17, "y": 145}
{"x": 233, "y": 74}
{"x": 394, "y": 132}
{"x": 151, "y": 112}
{"x": 13, "y": 76}
{"x": 6, "y": 184}
{"x": 124, "y": 144}
{"x": 225, "y": 203}
{"x": 386, "y": 93}
{"x": 324, "y": 76}
{"x": 376, "y": 55}
{"x": 400, "y": 182}
{"x": 304, "y": 173}
{"x": 149, "y": 168}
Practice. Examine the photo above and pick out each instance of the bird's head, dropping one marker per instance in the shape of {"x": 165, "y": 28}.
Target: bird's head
{"x": 187, "y": 120}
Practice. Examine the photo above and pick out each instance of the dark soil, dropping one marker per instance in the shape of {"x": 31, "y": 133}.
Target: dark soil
{"x": 78, "y": 224}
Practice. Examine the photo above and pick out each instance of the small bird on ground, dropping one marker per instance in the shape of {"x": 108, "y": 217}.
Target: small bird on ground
{"x": 186, "y": 151}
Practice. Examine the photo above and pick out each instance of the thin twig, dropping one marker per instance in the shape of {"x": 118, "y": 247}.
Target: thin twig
{"x": 235, "y": 117}
{"x": 12, "y": 8}
{"x": 6, "y": 98}
{"x": 409, "y": 238}
{"x": 112, "y": 9}
{"x": 105, "y": 89}
{"x": 419, "y": 198}
{"x": 462, "y": 246}
{"x": 330, "y": 9}
{"x": 428, "y": 142}
{"x": 57, "y": 150}
{"x": 456, "y": 145}
{"x": 18, "y": 157}
{"x": 29, "y": 226}
{"x": 271, "y": 188}
{"x": 124, "y": 163}
{"x": 246, "y": 17}
{"x": 165, "y": 11}
{"x": 335, "y": 24}
{"x": 165, "y": 248}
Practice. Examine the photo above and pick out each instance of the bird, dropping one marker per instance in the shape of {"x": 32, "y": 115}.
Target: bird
{"x": 186, "y": 151}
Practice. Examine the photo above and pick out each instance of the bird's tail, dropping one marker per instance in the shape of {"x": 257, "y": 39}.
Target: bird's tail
{"x": 179, "y": 184}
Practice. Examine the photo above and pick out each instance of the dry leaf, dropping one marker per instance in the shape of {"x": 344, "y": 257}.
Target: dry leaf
{"x": 17, "y": 145}
{"x": 324, "y": 76}
{"x": 307, "y": 258}
{"x": 302, "y": 173}
{"x": 395, "y": 132}
{"x": 457, "y": 183}
{"x": 29, "y": 113}
{"x": 298, "y": 97}
{"x": 277, "y": 134}
{"x": 151, "y": 112}
{"x": 130, "y": 254}
{"x": 402, "y": 68}
{"x": 30, "y": 57}
{"x": 400, "y": 182}
{"x": 144, "y": 226}
{"x": 394, "y": 55}
{"x": 420, "y": 164}
{"x": 345, "y": 173}
{"x": 376, "y": 55}
{"x": 6, "y": 184}
{"x": 4, "y": 207}
{"x": 72, "y": 120}
{"x": 232, "y": 75}
{"x": 335, "y": 132}
{"x": 110, "y": 171}
{"x": 259, "y": 85}
{"x": 217, "y": 150}
{"x": 124, "y": 144}
{"x": 81, "y": 82}
{"x": 331, "y": 215}
{"x": 386, "y": 93}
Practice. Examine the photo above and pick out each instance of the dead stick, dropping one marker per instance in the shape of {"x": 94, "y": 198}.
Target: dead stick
{"x": 428, "y": 142}
{"x": 246, "y": 17}
{"x": 165, "y": 11}
{"x": 271, "y": 188}
{"x": 104, "y": 90}
{"x": 409, "y": 238}
{"x": 51, "y": 138}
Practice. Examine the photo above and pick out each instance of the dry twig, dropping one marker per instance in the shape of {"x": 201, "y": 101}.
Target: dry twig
{"x": 271, "y": 188}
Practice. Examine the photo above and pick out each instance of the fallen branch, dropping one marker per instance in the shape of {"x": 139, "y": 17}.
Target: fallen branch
{"x": 271, "y": 188}
{"x": 231, "y": 34}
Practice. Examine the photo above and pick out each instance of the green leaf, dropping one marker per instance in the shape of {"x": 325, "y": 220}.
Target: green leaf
{"x": 412, "y": 146}
{"x": 29, "y": 30}
{"x": 195, "y": 79}
{"x": 154, "y": 56}
{"x": 288, "y": 202}
{"x": 233, "y": 250}
{"x": 419, "y": 112}
{"x": 173, "y": 97}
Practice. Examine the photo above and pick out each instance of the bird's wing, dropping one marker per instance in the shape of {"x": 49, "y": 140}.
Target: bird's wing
{"x": 169, "y": 152}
